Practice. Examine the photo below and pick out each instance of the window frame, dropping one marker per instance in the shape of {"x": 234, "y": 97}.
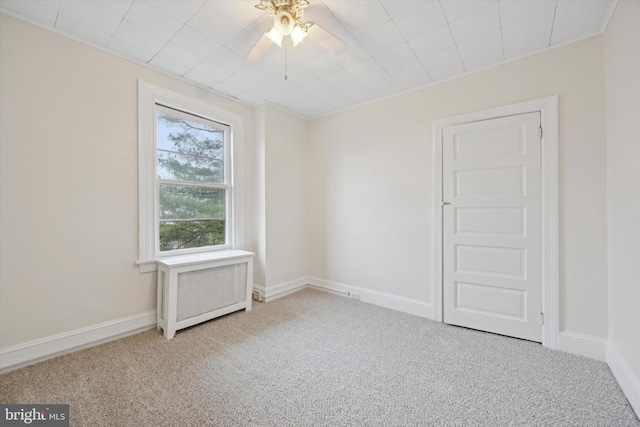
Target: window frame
{"x": 226, "y": 185}
{"x": 148, "y": 184}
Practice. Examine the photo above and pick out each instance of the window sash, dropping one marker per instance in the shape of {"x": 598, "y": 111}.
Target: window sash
{"x": 225, "y": 186}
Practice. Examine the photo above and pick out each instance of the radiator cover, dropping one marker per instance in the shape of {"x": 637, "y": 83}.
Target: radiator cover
{"x": 196, "y": 288}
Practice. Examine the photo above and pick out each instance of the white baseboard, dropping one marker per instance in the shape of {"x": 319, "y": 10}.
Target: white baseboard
{"x": 628, "y": 380}
{"x": 583, "y": 345}
{"x": 278, "y": 291}
{"x": 35, "y": 351}
{"x": 394, "y": 302}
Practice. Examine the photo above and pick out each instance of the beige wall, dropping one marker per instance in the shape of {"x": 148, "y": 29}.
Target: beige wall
{"x": 69, "y": 183}
{"x": 259, "y": 186}
{"x": 622, "y": 79}
{"x": 280, "y": 177}
{"x": 286, "y": 217}
{"x": 371, "y": 180}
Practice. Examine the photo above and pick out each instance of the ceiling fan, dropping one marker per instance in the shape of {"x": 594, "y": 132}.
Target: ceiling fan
{"x": 287, "y": 21}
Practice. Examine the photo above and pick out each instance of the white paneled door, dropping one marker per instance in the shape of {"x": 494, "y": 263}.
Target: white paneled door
{"x": 492, "y": 231}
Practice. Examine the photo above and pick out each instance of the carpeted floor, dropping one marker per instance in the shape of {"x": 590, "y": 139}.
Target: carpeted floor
{"x": 316, "y": 359}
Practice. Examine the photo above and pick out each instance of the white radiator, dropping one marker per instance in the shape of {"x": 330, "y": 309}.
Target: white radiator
{"x": 196, "y": 288}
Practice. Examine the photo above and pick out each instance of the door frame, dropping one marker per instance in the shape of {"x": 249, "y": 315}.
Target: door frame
{"x": 548, "y": 108}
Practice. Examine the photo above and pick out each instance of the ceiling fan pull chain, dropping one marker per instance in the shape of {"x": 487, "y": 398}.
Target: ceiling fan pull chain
{"x": 285, "y": 62}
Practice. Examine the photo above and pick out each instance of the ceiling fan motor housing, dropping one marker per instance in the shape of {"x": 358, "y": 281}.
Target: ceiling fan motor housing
{"x": 284, "y": 22}
{"x": 285, "y": 13}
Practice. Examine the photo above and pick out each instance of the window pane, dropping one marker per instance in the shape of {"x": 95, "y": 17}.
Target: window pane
{"x": 180, "y": 167}
{"x": 191, "y": 217}
{"x": 186, "y": 148}
{"x": 191, "y": 234}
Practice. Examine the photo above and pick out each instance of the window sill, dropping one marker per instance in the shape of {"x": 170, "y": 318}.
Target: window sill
{"x": 152, "y": 265}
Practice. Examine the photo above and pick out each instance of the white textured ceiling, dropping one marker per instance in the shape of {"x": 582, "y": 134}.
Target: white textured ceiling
{"x": 393, "y": 45}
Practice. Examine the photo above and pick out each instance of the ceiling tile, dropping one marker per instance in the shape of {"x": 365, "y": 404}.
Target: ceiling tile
{"x": 521, "y": 10}
{"x": 81, "y": 31}
{"x": 243, "y": 42}
{"x": 332, "y": 25}
{"x": 444, "y": 64}
{"x": 425, "y": 18}
{"x": 357, "y": 92}
{"x": 490, "y": 58}
{"x": 529, "y": 36}
{"x": 398, "y": 7}
{"x": 171, "y": 67}
{"x": 91, "y": 15}
{"x": 381, "y": 85}
{"x": 228, "y": 59}
{"x": 130, "y": 51}
{"x": 318, "y": 88}
{"x": 382, "y": 38}
{"x": 278, "y": 86}
{"x": 255, "y": 74}
{"x": 238, "y": 84}
{"x": 304, "y": 52}
{"x": 476, "y": 24}
{"x": 116, "y": 7}
{"x": 256, "y": 96}
{"x": 273, "y": 61}
{"x": 226, "y": 90}
{"x": 211, "y": 71}
{"x": 181, "y": 10}
{"x": 240, "y": 12}
{"x": 296, "y": 78}
{"x": 578, "y": 19}
{"x": 456, "y": 9}
{"x": 365, "y": 69}
{"x": 153, "y": 20}
{"x": 178, "y": 55}
{"x": 477, "y": 51}
{"x": 323, "y": 65}
{"x": 44, "y": 12}
{"x": 397, "y": 57}
{"x": 195, "y": 42}
{"x": 139, "y": 37}
{"x": 432, "y": 42}
{"x": 358, "y": 16}
{"x": 339, "y": 80}
{"x": 201, "y": 79}
{"x": 214, "y": 24}
{"x": 410, "y": 75}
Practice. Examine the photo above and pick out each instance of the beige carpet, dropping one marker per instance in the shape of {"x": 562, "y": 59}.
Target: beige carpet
{"x": 315, "y": 359}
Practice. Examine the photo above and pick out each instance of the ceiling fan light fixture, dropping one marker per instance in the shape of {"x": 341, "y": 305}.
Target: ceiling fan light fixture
{"x": 275, "y": 36}
{"x": 288, "y": 21}
{"x": 298, "y": 34}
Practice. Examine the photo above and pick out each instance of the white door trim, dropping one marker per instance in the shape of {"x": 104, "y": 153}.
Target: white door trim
{"x": 548, "y": 108}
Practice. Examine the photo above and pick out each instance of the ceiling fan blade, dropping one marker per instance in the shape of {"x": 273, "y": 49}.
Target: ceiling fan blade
{"x": 326, "y": 39}
{"x": 259, "y": 50}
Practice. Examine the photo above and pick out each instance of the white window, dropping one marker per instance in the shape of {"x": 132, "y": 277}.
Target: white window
{"x": 188, "y": 157}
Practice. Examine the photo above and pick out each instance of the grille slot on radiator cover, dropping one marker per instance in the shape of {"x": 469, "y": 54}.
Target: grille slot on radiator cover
{"x": 196, "y": 295}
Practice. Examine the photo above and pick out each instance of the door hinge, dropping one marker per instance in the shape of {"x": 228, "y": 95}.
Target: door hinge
{"x": 540, "y": 132}
{"x": 542, "y": 318}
